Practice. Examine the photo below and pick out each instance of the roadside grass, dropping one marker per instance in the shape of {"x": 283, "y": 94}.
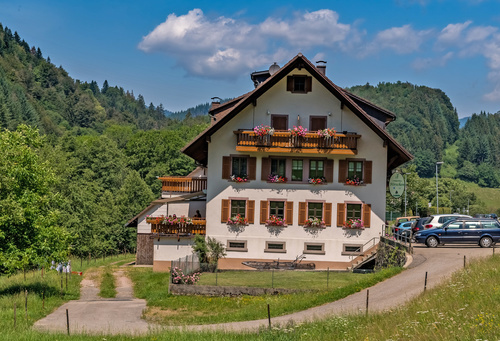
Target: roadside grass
{"x": 489, "y": 196}
{"x": 168, "y": 309}
{"x": 107, "y": 283}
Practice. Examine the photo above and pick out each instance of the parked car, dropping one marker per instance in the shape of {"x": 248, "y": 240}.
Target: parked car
{"x": 403, "y": 231}
{"x": 407, "y": 225}
{"x": 484, "y": 232}
{"x": 437, "y": 220}
{"x": 491, "y": 215}
{"x": 405, "y": 219}
{"x": 419, "y": 224}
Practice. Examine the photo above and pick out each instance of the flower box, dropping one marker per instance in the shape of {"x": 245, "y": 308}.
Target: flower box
{"x": 262, "y": 130}
{"x": 237, "y": 220}
{"x": 235, "y": 178}
{"x": 298, "y": 131}
{"x": 314, "y": 223}
{"x": 327, "y": 133}
{"x": 317, "y": 181}
{"x": 354, "y": 224}
{"x": 275, "y": 221}
{"x": 277, "y": 179}
{"x": 355, "y": 181}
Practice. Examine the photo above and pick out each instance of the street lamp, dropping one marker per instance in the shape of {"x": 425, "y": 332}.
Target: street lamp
{"x": 437, "y": 190}
{"x": 405, "y": 191}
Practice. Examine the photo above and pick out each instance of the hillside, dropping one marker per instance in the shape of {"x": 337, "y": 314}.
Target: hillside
{"x": 36, "y": 92}
{"x": 426, "y": 120}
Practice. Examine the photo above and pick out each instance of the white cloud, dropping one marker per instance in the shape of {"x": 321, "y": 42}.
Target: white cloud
{"x": 426, "y": 63}
{"x": 452, "y": 34}
{"x": 402, "y": 40}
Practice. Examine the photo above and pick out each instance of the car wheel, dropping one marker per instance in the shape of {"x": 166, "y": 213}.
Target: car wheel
{"x": 431, "y": 242}
{"x": 485, "y": 242}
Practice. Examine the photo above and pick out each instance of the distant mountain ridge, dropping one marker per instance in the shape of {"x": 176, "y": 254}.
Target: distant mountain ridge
{"x": 463, "y": 120}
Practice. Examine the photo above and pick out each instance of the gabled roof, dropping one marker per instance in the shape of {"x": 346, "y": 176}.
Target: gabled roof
{"x": 198, "y": 148}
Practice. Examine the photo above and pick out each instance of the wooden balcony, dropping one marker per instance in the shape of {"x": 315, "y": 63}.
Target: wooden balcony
{"x": 198, "y": 226}
{"x": 183, "y": 184}
{"x": 284, "y": 142}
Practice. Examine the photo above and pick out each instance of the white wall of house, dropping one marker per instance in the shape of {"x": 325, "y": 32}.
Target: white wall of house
{"x": 299, "y": 107}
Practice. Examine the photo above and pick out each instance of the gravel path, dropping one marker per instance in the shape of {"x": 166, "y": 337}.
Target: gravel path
{"x": 122, "y": 315}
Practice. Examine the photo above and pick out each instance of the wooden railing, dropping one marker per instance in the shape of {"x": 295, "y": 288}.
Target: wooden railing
{"x": 341, "y": 143}
{"x": 183, "y": 184}
{"x": 196, "y": 227}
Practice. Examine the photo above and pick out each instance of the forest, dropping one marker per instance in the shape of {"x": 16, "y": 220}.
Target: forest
{"x": 80, "y": 159}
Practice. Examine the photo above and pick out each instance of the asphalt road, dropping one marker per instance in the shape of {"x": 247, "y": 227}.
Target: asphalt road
{"x": 123, "y": 314}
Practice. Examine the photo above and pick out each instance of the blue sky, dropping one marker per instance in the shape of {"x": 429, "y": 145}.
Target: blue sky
{"x": 182, "y": 53}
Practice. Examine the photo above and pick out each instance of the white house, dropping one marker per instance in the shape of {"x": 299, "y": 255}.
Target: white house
{"x": 314, "y": 183}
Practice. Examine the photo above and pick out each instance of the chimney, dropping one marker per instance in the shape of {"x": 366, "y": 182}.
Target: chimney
{"x": 321, "y": 66}
{"x": 215, "y": 102}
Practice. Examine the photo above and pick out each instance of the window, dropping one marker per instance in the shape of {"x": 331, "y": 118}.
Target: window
{"x": 297, "y": 170}
{"x": 238, "y": 207}
{"x": 355, "y": 170}
{"x": 279, "y": 122}
{"x": 314, "y": 248}
{"x": 317, "y": 123}
{"x": 299, "y": 84}
{"x": 489, "y": 225}
{"x": 278, "y": 167}
{"x": 353, "y": 211}
{"x": 315, "y": 210}
{"x": 352, "y": 249}
{"x": 239, "y": 166}
{"x": 472, "y": 225}
{"x": 277, "y": 208}
{"x": 454, "y": 226}
{"x": 237, "y": 245}
{"x": 275, "y": 247}
{"x": 316, "y": 169}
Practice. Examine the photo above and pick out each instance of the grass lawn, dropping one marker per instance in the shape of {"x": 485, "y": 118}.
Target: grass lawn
{"x": 489, "y": 196}
{"x": 168, "y": 309}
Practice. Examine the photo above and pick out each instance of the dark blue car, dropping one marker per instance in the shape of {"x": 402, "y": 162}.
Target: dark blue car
{"x": 483, "y": 232}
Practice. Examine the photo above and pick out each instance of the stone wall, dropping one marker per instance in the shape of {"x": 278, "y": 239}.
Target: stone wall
{"x": 211, "y": 290}
{"x": 144, "y": 249}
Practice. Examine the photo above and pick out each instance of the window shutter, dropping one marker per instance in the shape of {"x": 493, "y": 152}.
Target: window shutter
{"x": 289, "y": 212}
{"x": 302, "y": 212}
{"x": 308, "y": 83}
{"x": 367, "y": 172}
{"x": 289, "y": 83}
{"x": 250, "y": 211}
{"x": 226, "y": 167}
{"x": 329, "y": 170}
{"x": 263, "y": 211}
{"x": 252, "y": 166}
{"x": 225, "y": 211}
{"x": 340, "y": 214}
{"x": 266, "y": 168}
{"x": 328, "y": 214}
{"x": 367, "y": 212}
{"x": 342, "y": 170}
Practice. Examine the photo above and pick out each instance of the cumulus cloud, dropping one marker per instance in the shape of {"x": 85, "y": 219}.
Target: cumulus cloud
{"x": 402, "y": 40}
{"x": 426, "y": 63}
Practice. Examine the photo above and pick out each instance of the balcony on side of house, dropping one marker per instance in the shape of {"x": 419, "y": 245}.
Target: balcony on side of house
{"x": 284, "y": 142}
{"x": 197, "y": 226}
{"x": 183, "y": 184}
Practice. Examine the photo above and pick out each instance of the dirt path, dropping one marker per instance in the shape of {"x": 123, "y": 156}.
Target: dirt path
{"x": 122, "y": 315}
{"x": 95, "y": 315}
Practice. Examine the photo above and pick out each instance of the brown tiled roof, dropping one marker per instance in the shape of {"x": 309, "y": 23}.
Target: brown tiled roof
{"x": 198, "y": 148}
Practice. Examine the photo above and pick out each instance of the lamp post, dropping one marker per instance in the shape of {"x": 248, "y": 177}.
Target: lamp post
{"x": 451, "y": 206}
{"x": 437, "y": 190}
{"x": 405, "y": 191}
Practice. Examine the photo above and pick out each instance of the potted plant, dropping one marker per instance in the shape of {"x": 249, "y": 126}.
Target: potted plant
{"x": 276, "y": 178}
{"x": 317, "y": 181}
{"x": 327, "y": 133}
{"x": 155, "y": 220}
{"x": 298, "y": 131}
{"x": 237, "y": 220}
{"x": 354, "y": 224}
{"x": 355, "y": 181}
{"x": 235, "y": 178}
{"x": 314, "y": 222}
{"x": 275, "y": 221}
{"x": 262, "y": 130}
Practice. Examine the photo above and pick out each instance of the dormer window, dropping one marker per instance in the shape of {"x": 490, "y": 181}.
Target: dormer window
{"x": 299, "y": 84}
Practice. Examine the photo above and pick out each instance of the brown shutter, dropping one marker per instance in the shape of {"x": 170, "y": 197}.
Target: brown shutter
{"x": 250, "y": 211}
{"x": 367, "y": 172}
{"x": 225, "y": 210}
{"x": 265, "y": 169}
{"x": 342, "y": 170}
{"x": 302, "y": 212}
{"x": 226, "y": 167}
{"x": 328, "y": 214}
{"x": 329, "y": 170}
{"x": 252, "y": 166}
{"x": 367, "y": 210}
{"x": 289, "y": 83}
{"x": 289, "y": 212}
{"x": 340, "y": 214}
{"x": 263, "y": 211}
{"x": 308, "y": 83}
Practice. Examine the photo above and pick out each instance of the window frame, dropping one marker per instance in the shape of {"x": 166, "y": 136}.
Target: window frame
{"x": 352, "y": 253}
{"x": 360, "y": 211}
{"x": 237, "y": 249}
{"x": 269, "y": 214}
{"x": 314, "y": 252}
{"x": 355, "y": 162}
{"x": 278, "y": 160}
{"x": 315, "y": 203}
{"x": 269, "y": 250}
{"x": 301, "y": 170}
{"x": 246, "y": 158}
{"x": 277, "y": 116}
{"x": 316, "y": 161}
{"x": 291, "y": 84}
{"x": 245, "y": 213}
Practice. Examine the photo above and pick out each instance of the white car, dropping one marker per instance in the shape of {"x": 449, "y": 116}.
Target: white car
{"x": 437, "y": 220}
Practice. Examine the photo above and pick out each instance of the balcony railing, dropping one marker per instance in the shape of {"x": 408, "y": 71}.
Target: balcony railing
{"x": 183, "y": 184}
{"x": 196, "y": 227}
{"x": 283, "y": 141}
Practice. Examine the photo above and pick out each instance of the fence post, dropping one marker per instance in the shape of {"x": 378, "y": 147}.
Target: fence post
{"x": 367, "y": 298}
{"x": 269, "y": 315}
{"x": 67, "y": 320}
{"x": 464, "y": 261}
{"x": 425, "y": 283}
